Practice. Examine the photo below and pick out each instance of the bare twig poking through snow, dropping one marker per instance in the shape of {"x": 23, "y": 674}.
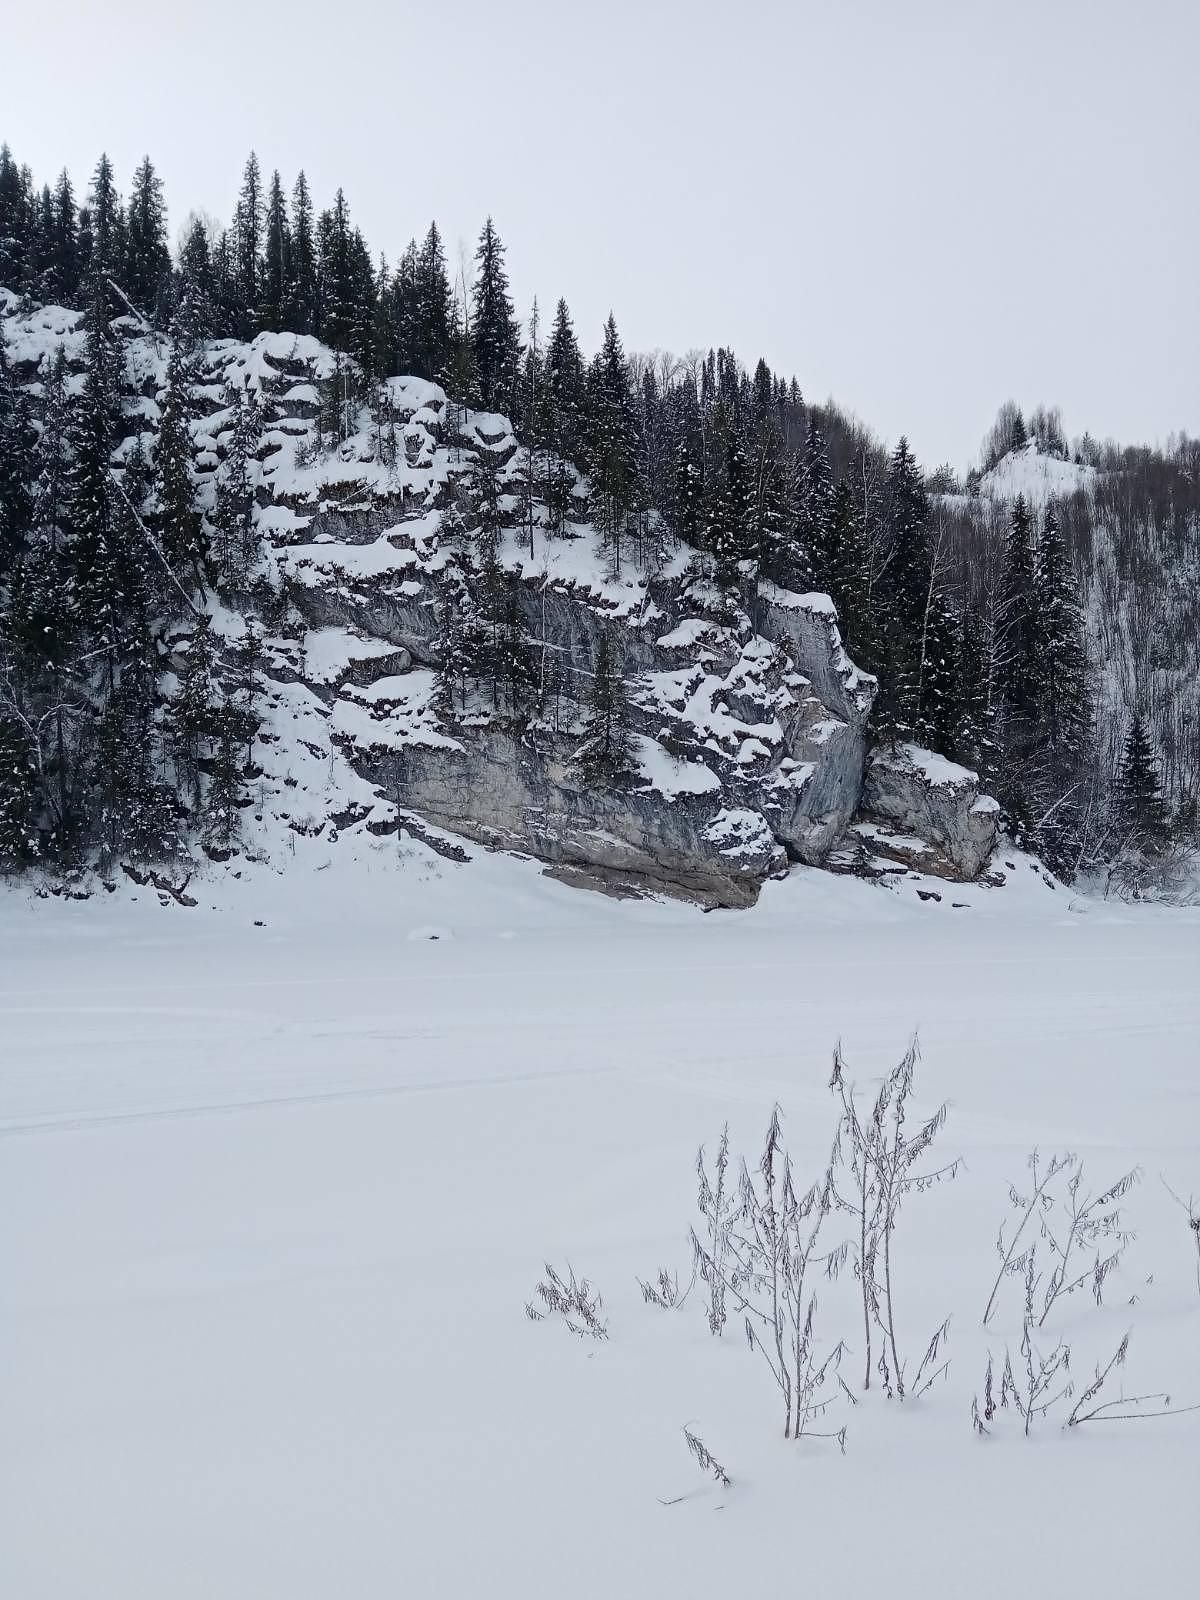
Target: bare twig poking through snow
{"x": 876, "y": 1168}
{"x": 717, "y": 1206}
{"x": 1069, "y": 1224}
{"x": 665, "y": 1292}
{"x": 760, "y": 1254}
{"x": 708, "y": 1462}
{"x": 1193, "y": 1216}
{"x": 574, "y": 1300}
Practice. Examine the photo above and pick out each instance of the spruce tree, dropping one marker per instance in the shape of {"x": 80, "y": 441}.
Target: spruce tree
{"x": 1017, "y": 665}
{"x": 277, "y": 264}
{"x": 1141, "y": 807}
{"x": 233, "y": 518}
{"x": 248, "y": 237}
{"x": 432, "y": 333}
{"x": 729, "y": 528}
{"x": 16, "y": 440}
{"x": 495, "y": 337}
{"x": 609, "y": 744}
{"x": 1060, "y": 669}
{"x": 66, "y": 277}
{"x": 816, "y": 508}
{"x": 905, "y": 597}
{"x": 147, "y": 255}
{"x": 566, "y": 392}
{"x": 611, "y": 442}
{"x": 300, "y": 313}
{"x": 106, "y": 224}
{"x": 177, "y": 515}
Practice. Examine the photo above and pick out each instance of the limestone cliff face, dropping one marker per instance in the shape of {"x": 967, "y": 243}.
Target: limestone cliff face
{"x": 748, "y": 719}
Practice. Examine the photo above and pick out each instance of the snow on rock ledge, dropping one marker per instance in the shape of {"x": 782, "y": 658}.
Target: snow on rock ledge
{"x": 925, "y": 795}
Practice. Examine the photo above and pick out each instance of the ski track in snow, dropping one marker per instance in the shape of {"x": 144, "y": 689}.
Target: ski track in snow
{"x": 272, "y": 1199}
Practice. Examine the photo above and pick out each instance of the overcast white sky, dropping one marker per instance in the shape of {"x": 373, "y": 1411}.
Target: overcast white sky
{"x": 920, "y": 208}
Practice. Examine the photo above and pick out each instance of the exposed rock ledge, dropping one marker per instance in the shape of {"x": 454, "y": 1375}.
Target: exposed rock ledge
{"x": 920, "y": 793}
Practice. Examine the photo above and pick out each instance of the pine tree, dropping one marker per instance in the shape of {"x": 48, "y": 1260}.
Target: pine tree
{"x": 197, "y": 285}
{"x": 973, "y": 739}
{"x": 816, "y": 509}
{"x": 566, "y": 391}
{"x": 688, "y": 497}
{"x": 16, "y": 440}
{"x": 248, "y": 237}
{"x": 1060, "y": 669}
{"x": 432, "y": 333}
{"x": 277, "y": 263}
{"x": 483, "y": 512}
{"x": 66, "y": 270}
{"x": 846, "y": 560}
{"x": 193, "y": 720}
{"x": 177, "y": 517}
{"x": 106, "y": 223}
{"x": 19, "y": 841}
{"x": 939, "y": 711}
{"x": 905, "y": 597}
{"x": 233, "y": 519}
{"x": 1017, "y": 663}
{"x": 495, "y": 336}
{"x": 300, "y": 313}
{"x": 729, "y": 528}
{"x": 1141, "y": 806}
{"x": 609, "y": 743}
{"x": 44, "y": 625}
{"x": 611, "y": 443}
{"x": 147, "y": 255}
{"x": 111, "y": 597}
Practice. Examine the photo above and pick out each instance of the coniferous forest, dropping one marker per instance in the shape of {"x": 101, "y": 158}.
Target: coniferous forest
{"x": 1047, "y": 644}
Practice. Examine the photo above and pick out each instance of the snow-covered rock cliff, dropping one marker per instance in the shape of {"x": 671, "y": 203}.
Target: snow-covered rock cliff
{"x": 747, "y": 720}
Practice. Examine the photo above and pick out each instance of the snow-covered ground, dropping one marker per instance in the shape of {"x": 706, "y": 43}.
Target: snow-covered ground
{"x": 272, "y": 1199}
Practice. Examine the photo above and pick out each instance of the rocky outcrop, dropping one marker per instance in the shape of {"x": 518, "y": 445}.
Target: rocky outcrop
{"x": 922, "y": 809}
{"x": 748, "y": 720}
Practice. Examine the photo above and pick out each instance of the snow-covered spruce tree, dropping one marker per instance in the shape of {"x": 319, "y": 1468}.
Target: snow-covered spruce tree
{"x": 276, "y": 262}
{"x": 566, "y": 389}
{"x": 177, "y": 516}
{"x": 939, "y": 713}
{"x": 903, "y": 597}
{"x": 1016, "y": 672}
{"x": 608, "y": 746}
{"x": 248, "y": 236}
{"x": 16, "y": 440}
{"x": 1058, "y": 786}
{"x": 147, "y": 267}
{"x": 688, "y": 497}
{"x": 611, "y": 442}
{"x": 233, "y": 517}
{"x": 495, "y": 336}
{"x": 299, "y": 312}
{"x": 433, "y": 328}
{"x": 42, "y": 634}
{"x": 110, "y": 555}
{"x": 816, "y": 508}
{"x": 730, "y": 525}
{"x": 845, "y": 560}
{"x": 193, "y": 716}
{"x": 1141, "y": 809}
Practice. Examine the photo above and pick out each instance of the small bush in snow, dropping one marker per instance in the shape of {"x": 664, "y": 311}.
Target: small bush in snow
{"x": 665, "y": 1292}
{"x": 571, "y": 1298}
{"x": 760, "y": 1255}
{"x": 876, "y": 1168}
{"x": 1066, "y": 1224}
